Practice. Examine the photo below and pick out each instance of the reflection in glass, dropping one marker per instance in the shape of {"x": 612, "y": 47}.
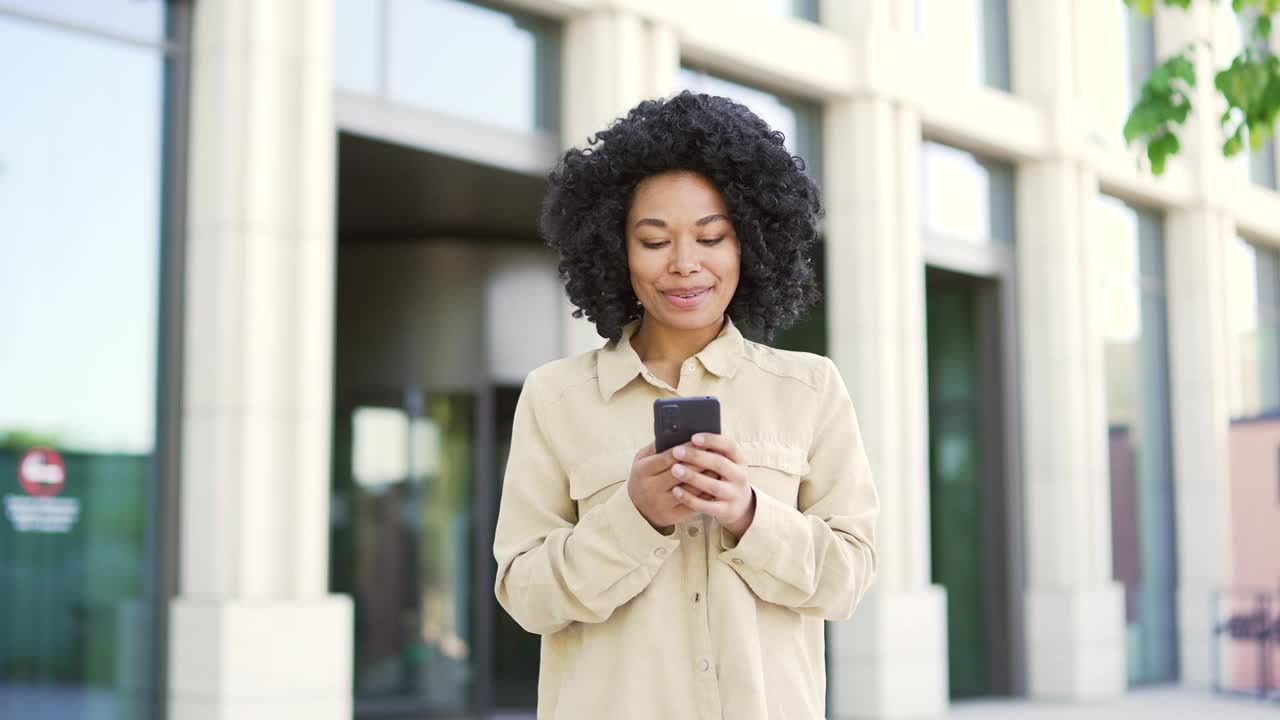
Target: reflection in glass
{"x": 80, "y": 199}
{"x": 1254, "y": 305}
{"x": 402, "y": 547}
{"x": 1130, "y": 248}
{"x": 356, "y": 39}
{"x": 966, "y": 197}
{"x": 140, "y": 18}
{"x": 797, "y": 120}
{"x": 468, "y": 60}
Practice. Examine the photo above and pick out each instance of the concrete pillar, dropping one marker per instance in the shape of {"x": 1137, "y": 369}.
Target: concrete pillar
{"x": 613, "y": 58}
{"x": 1197, "y": 241}
{"x": 1074, "y": 609}
{"x": 890, "y": 659}
{"x": 254, "y": 632}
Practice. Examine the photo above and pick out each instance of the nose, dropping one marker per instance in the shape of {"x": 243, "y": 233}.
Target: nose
{"x": 684, "y": 258}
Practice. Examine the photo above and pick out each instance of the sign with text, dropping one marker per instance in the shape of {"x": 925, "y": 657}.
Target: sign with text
{"x": 42, "y": 473}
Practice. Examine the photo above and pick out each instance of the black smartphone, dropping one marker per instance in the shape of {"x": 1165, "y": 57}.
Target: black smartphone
{"x": 676, "y": 420}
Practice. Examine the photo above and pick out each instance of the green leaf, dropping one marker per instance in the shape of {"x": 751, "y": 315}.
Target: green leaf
{"x": 1249, "y": 84}
{"x": 1143, "y": 6}
{"x": 1184, "y": 69}
{"x": 1157, "y": 160}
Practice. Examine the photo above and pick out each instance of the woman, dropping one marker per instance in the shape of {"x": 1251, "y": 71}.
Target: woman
{"x": 691, "y": 583}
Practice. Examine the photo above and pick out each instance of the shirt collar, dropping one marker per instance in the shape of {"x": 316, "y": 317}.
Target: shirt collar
{"x": 617, "y": 363}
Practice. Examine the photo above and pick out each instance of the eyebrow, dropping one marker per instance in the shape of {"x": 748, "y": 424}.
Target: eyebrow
{"x": 661, "y": 224}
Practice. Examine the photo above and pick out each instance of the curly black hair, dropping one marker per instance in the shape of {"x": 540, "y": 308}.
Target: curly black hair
{"x": 773, "y": 204}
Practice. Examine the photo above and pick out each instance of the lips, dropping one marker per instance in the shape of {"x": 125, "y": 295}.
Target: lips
{"x": 686, "y": 298}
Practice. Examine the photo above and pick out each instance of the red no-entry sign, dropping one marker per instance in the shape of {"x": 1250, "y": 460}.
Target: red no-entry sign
{"x": 42, "y": 472}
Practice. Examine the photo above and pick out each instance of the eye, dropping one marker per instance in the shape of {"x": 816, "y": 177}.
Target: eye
{"x": 712, "y": 241}
{"x": 654, "y": 244}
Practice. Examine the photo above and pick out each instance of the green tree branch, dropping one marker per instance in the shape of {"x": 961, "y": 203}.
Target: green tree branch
{"x": 1250, "y": 85}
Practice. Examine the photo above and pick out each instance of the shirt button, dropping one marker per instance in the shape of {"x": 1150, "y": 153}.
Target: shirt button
{"x": 737, "y": 561}
{"x": 703, "y": 665}
{"x": 693, "y": 532}
{"x": 660, "y": 552}
{"x": 693, "y": 365}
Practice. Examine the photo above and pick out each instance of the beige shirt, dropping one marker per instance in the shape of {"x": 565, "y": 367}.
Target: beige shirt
{"x": 637, "y": 624}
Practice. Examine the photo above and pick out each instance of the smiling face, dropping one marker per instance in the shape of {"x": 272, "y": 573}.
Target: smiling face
{"x": 682, "y": 251}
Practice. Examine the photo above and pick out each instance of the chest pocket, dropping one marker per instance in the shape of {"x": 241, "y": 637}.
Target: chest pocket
{"x": 595, "y": 480}
{"x": 775, "y": 469}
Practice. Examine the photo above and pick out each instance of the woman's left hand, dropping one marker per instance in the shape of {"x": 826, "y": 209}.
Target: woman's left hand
{"x": 732, "y": 502}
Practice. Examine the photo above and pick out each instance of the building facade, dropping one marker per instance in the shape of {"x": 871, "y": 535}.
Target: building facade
{"x": 270, "y": 282}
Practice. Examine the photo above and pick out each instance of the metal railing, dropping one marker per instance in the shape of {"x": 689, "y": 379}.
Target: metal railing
{"x": 1246, "y": 643}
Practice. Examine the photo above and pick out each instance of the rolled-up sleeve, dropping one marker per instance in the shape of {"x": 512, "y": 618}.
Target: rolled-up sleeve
{"x": 555, "y": 568}
{"x": 818, "y": 558}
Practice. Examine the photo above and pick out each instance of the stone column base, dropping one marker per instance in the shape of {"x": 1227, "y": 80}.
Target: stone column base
{"x": 1075, "y": 643}
{"x": 260, "y": 660}
{"x": 1196, "y": 615}
{"x": 890, "y": 659}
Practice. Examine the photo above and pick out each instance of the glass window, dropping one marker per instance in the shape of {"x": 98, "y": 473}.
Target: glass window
{"x": 797, "y": 120}
{"x": 1262, "y": 165}
{"x": 1121, "y": 37}
{"x": 1140, "y": 50}
{"x": 803, "y": 9}
{"x": 1253, "y": 289}
{"x": 357, "y": 35}
{"x": 993, "y": 29}
{"x": 1262, "y": 161}
{"x": 1130, "y": 247}
{"x": 141, "y": 18}
{"x": 81, "y": 191}
{"x": 974, "y": 32}
{"x": 450, "y": 56}
{"x": 966, "y": 197}
{"x": 1234, "y": 32}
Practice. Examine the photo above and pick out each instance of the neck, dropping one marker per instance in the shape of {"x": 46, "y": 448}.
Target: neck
{"x": 655, "y": 343}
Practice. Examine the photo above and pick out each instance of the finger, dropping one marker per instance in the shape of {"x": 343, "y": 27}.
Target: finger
{"x": 710, "y": 461}
{"x": 722, "y": 444}
{"x": 695, "y": 491}
{"x": 646, "y": 451}
{"x": 656, "y": 464}
{"x": 718, "y": 489}
{"x": 697, "y": 504}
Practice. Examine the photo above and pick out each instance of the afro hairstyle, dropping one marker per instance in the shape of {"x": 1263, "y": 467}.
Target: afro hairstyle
{"x": 774, "y": 206}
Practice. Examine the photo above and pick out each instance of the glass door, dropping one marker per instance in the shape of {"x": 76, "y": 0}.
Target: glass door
{"x": 969, "y": 498}
{"x": 403, "y": 547}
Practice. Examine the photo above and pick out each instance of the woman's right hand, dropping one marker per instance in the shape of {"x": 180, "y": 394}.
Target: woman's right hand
{"x": 650, "y": 488}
